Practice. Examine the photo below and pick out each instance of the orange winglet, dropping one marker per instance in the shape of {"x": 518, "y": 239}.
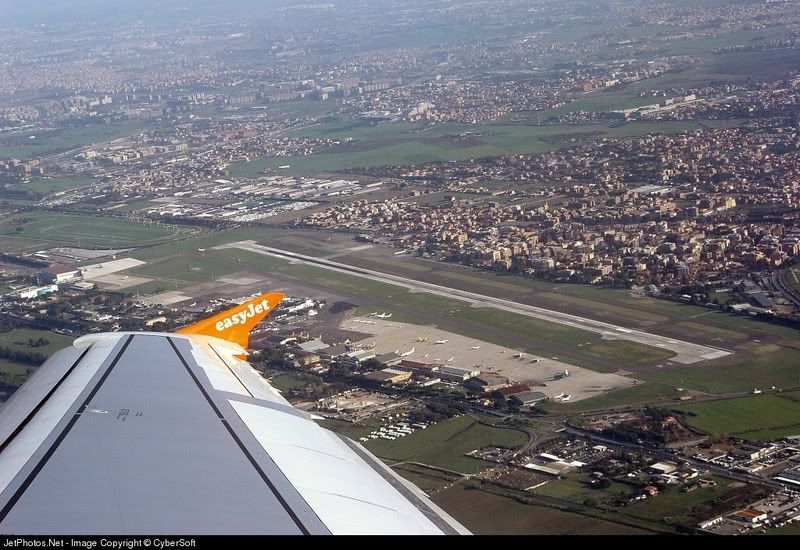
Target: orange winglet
{"x": 236, "y": 323}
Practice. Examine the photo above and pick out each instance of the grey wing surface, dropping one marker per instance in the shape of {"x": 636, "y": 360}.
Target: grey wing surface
{"x": 156, "y": 433}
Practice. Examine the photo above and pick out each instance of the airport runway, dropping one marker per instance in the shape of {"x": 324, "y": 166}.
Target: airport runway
{"x": 686, "y": 352}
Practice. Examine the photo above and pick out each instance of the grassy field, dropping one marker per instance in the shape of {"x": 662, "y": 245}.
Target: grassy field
{"x": 28, "y": 194}
{"x": 427, "y": 479}
{"x": 488, "y": 513}
{"x": 445, "y": 443}
{"x": 759, "y": 366}
{"x": 629, "y": 355}
{"x": 17, "y": 339}
{"x": 45, "y": 142}
{"x": 672, "y": 506}
{"x": 16, "y": 244}
{"x": 731, "y": 67}
{"x": 791, "y": 529}
{"x": 15, "y": 373}
{"x": 44, "y": 186}
{"x": 595, "y": 102}
{"x": 756, "y": 417}
{"x": 575, "y": 489}
{"x": 402, "y": 143}
{"x": 635, "y": 395}
{"x": 83, "y": 230}
{"x": 287, "y": 382}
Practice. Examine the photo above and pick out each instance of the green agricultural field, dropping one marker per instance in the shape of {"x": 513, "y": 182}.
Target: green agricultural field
{"x": 10, "y": 244}
{"x": 444, "y": 444}
{"x": 401, "y": 143}
{"x": 488, "y": 513}
{"x": 45, "y": 142}
{"x": 83, "y": 231}
{"x": 748, "y": 417}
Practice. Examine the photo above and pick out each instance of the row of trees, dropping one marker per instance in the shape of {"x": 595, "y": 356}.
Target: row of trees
{"x": 22, "y": 356}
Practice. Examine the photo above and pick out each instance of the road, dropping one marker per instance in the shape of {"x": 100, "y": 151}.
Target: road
{"x": 781, "y": 283}
{"x": 686, "y": 352}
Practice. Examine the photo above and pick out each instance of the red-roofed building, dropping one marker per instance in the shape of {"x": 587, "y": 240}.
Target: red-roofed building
{"x": 513, "y": 390}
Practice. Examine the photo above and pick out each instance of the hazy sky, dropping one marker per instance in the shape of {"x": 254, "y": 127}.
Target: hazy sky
{"x": 53, "y": 11}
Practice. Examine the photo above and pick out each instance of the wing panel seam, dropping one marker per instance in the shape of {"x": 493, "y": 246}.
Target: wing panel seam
{"x": 239, "y": 442}
{"x": 51, "y": 451}
{"x": 41, "y": 403}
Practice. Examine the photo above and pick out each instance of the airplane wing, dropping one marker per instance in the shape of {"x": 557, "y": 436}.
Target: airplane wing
{"x": 161, "y": 433}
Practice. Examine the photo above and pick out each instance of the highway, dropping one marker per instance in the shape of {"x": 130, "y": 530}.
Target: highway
{"x": 686, "y": 352}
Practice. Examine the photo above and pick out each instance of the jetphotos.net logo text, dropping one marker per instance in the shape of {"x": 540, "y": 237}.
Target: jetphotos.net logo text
{"x": 241, "y": 317}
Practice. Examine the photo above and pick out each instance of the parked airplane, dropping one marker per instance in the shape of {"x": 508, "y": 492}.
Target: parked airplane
{"x": 475, "y": 347}
{"x": 440, "y": 341}
{"x": 383, "y": 315}
{"x": 560, "y": 375}
{"x": 453, "y": 358}
{"x": 519, "y": 355}
{"x": 409, "y": 352}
